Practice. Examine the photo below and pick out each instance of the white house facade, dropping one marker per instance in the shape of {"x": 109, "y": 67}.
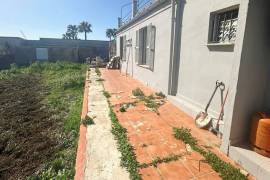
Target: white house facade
{"x": 182, "y": 47}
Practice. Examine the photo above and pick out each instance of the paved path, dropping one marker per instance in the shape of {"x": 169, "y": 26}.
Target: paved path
{"x": 151, "y": 134}
{"x": 102, "y": 156}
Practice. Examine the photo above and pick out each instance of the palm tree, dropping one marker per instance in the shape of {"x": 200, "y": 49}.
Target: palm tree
{"x": 111, "y": 33}
{"x": 85, "y": 28}
{"x": 72, "y": 31}
{"x": 66, "y": 36}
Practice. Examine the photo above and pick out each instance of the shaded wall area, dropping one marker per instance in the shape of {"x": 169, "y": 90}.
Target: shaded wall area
{"x": 22, "y": 52}
{"x": 254, "y": 74}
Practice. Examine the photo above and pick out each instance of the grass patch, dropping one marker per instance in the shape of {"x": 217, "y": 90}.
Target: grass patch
{"x": 87, "y": 121}
{"x": 226, "y": 170}
{"x": 106, "y": 94}
{"x": 63, "y": 86}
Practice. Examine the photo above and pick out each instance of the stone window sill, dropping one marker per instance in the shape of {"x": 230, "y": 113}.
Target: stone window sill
{"x": 144, "y": 66}
{"x": 221, "y": 44}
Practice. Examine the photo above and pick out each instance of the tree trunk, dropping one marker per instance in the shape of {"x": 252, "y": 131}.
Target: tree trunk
{"x": 85, "y": 36}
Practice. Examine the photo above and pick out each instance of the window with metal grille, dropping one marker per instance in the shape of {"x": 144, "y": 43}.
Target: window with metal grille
{"x": 223, "y": 26}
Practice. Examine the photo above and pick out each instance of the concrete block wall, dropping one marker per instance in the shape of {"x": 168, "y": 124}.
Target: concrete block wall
{"x": 24, "y": 51}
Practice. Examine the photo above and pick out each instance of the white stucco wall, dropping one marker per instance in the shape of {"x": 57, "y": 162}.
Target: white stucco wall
{"x": 252, "y": 89}
{"x": 201, "y": 65}
{"x": 157, "y": 79}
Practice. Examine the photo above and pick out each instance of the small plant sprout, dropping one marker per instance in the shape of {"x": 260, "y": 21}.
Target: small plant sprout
{"x": 125, "y": 106}
{"x": 87, "y": 121}
{"x": 106, "y": 94}
{"x": 160, "y": 94}
{"x": 137, "y": 92}
{"x": 122, "y": 109}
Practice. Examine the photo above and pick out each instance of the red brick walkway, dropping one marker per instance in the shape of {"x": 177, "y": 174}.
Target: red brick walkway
{"x": 151, "y": 134}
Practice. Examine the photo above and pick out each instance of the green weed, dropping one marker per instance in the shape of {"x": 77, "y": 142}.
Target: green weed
{"x": 128, "y": 157}
{"x": 106, "y": 94}
{"x": 122, "y": 109}
{"x": 138, "y": 92}
{"x": 160, "y": 94}
{"x": 88, "y": 121}
{"x": 226, "y": 170}
{"x": 158, "y": 160}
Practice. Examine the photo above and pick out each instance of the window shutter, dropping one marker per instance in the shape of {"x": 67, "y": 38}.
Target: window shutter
{"x": 150, "y": 51}
{"x": 140, "y": 46}
{"x": 124, "y": 48}
{"x": 137, "y": 52}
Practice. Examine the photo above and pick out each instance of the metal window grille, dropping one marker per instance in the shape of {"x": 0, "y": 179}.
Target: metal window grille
{"x": 225, "y": 26}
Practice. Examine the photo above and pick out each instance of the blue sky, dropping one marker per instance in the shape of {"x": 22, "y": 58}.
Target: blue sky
{"x": 49, "y": 18}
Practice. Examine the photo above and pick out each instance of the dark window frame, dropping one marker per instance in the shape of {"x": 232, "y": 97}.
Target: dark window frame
{"x": 222, "y": 26}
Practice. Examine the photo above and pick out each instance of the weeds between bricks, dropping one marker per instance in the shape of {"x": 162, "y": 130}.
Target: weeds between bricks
{"x": 149, "y": 101}
{"x": 128, "y": 157}
{"x": 226, "y": 170}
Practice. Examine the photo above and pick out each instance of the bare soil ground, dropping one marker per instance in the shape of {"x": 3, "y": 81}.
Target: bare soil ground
{"x": 26, "y": 127}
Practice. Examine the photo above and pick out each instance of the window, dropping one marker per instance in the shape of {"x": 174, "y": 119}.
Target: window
{"x": 145, "y": 46}
{"x": 123, "y": 48}
{"x": 42, "y": 53}
{"x": 223, "y": 26}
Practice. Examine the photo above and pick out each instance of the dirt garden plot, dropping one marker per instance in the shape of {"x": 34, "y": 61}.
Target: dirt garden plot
{"x": 39, "y": 118}
{"x": 26, "y": 128}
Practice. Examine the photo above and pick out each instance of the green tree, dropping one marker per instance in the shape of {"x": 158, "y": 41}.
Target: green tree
{"x": 111, "y": 33}
{"x": 72, "y": 32}
{"x": 85, "y": 28}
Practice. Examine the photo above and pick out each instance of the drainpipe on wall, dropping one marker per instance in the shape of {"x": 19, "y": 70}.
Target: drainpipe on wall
{"x": 172, "y": 47}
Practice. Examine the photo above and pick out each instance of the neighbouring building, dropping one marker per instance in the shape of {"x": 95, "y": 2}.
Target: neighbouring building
{"x": 182, "y": 47}
{"x": 22, "y": 51}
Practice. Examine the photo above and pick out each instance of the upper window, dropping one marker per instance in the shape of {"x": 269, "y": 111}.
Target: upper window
{"x": 223, "y": 26}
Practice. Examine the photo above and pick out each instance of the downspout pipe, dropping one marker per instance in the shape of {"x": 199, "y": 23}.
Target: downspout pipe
{"x": 173, "y": 21}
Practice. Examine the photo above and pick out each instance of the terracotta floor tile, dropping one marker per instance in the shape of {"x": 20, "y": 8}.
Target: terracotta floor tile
{"x": 151, "y": 135}
{"x": 142, "y": 155}
{"x": 211, "y": 176}
{"x": 195, "y": 165}
{"x": 174, "y": 171}
{"x": 150, "y": 173}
